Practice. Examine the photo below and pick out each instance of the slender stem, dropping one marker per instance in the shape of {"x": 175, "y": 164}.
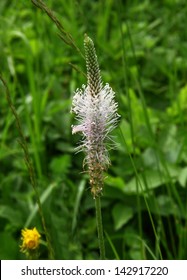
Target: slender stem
{"x": 29, "y": 165}
{"x": 100, "y": 227}
{"x": 64, "y": 35}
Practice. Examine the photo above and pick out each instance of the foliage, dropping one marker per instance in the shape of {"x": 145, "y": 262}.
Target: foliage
{"x": 141, "y": 47}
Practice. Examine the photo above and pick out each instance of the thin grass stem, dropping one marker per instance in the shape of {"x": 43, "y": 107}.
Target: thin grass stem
{"x": 29, "y": 165}
{"x": 64, "y": 35}
{"x": 130, "y": 114}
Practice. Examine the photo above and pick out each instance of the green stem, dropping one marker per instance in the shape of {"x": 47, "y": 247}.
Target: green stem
{"x": 100, "y": 227}
{"x": 29, "y": 165}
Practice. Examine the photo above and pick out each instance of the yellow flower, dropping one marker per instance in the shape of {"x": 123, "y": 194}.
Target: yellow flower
{"x": 31, "y": 239}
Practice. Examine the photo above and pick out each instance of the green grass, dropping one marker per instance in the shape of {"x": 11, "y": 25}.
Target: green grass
{"x": 141, "y": 48}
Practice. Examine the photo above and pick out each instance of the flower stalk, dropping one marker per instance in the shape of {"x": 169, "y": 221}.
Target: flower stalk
{"x": 96, "y": 113}
{"x": 100, "y": 227}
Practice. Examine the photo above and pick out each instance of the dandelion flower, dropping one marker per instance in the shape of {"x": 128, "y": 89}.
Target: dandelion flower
{"x": 30, "y": 238}
{"x": 96, "y": 113}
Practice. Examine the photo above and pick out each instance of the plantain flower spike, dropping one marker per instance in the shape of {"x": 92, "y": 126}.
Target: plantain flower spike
{"x": 96, "y": 113}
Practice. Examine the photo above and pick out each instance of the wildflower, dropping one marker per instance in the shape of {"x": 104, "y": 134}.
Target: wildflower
{"x": 31, "y": 239}
{"x": 96, "y": 113}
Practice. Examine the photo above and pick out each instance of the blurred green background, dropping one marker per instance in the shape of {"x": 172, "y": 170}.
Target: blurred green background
{"x": 142, "y": 51}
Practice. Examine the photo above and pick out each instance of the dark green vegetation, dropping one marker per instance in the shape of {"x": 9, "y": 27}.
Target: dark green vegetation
{"x": 142, "y": 51}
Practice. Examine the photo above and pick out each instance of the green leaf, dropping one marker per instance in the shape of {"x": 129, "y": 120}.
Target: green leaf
{"x": 116, "y": 182}
{"x": 8, "y": 247}
{"x": 151, "y": 179}
{"x": 121, "y": 215}
{"x": 43, "y": 198}
{"x": 183, "y": 177}
{"x": 60, "y": 165}
{"x": 12, "y": 215}
{"x": 167, "y": 206}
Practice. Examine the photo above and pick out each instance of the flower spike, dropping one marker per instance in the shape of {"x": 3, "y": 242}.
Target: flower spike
{"x": 93, "y": 72}
{"x": 96, "y": 113}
